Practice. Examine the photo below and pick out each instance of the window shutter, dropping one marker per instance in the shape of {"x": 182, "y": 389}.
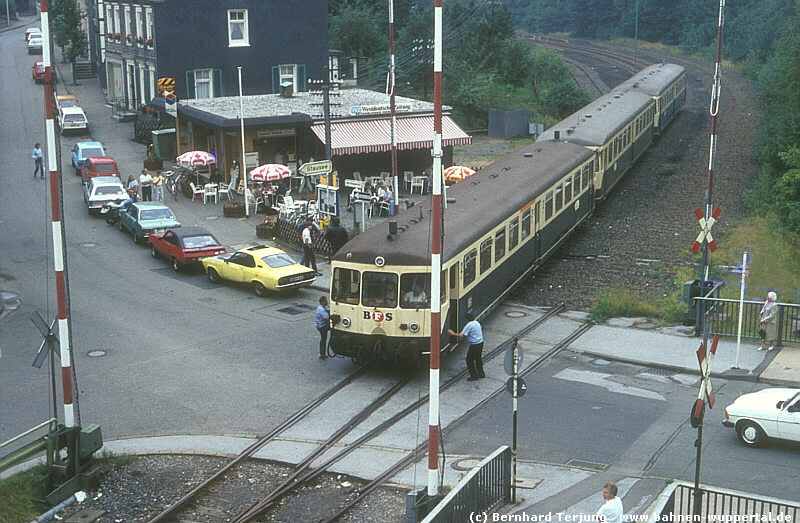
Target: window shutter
{"x": 276, "y": 79}
{"x": 189, "y": 84}
{"x": 301, "y": 78}
{"x": 216, "y": 78}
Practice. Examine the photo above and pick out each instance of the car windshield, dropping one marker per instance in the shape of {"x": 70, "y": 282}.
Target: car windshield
{"x": 75, "y": 118}
{"x": 36, "y": 40}
{"x": 195, "y": 242}
{"x": 157, "y": 214}
{"x": 105, "y": 167}
{"x": 108, "y": 189}
{"x": 278, "y": 260}
{"x": 69, "y": 102}
{"x": 86, "y": 153}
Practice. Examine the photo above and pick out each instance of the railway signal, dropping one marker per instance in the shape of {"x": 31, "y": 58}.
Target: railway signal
{"x": 706, "y": 391}
{"x": 705, "y": 229}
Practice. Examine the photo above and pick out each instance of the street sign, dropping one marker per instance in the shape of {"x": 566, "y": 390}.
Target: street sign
{"x": 166, "y": 84}
{"x": 521, "y": 386}
{"x": 356, "y": 184}
{"x": 705, "y": 229}
{"x": 508, "y": 363}
{"x": 706, "y": 391}
{"x": 314, "y": 168}
{"x": 171, "y": 104}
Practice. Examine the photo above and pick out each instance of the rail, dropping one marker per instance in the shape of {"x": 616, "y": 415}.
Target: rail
{"x": 720, "y": 505}
{"x": 723, "y": 318}
{"x": 485, "y": 487}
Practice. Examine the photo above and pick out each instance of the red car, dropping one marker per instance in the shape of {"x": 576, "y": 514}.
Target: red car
{"x": 38, "y": 72}
{"x": 184, "y": 245}
{"x": 99, "y": 166}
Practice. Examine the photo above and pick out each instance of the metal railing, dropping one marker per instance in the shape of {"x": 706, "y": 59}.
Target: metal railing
{"x": 723, "y": 318}
{"x": 726, "y": 506}
{"x": 485, "y": 487}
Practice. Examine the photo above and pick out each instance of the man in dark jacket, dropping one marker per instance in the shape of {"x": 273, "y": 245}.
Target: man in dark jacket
{"x": 337, "y": 235}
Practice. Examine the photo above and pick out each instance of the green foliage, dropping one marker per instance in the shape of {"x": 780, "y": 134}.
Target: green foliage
{"x": 625, "y": 303}
{"x": 358, "y": 28}
{"x": 18, "y": 494}
{"x": 66, "y": 25}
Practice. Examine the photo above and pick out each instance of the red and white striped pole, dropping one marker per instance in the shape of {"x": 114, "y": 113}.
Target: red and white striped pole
{"x": 712, "y": 153}
{"x": 71, "y": 418}
{"x": 393, "y": 105}
{"x": 436, "y": 257}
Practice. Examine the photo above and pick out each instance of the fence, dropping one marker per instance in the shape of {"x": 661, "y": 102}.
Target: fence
{"x": 288, "y": 233}
{"x": 719, "y": 505}
{"x": 723, "y": 318}
{"x": 485, "y": 487}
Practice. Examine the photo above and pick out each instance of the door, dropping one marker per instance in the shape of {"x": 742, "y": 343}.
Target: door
{"x": 453, "y": 280}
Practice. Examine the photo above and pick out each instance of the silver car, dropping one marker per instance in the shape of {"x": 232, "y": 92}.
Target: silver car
{"x": 101, "y": 190}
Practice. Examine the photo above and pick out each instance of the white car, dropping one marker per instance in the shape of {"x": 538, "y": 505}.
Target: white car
{"x": 35, "y": 44}
{"x": 101, "y": 190}
{"x": 72, "y": 119}
{"x": 768, "y": 413}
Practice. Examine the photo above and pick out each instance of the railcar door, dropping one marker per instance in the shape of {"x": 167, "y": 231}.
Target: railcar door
{"x": 455, "y": 277}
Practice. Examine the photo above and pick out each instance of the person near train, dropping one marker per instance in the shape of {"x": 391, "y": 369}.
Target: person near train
{"x": 309, "y": 260}
{"x": 336, "y": 234}
{"x": 768, "y": 324}
{"x": 474, "y": 334}
{"x": 322, "y": 321}
{"x": 611, "y": 511}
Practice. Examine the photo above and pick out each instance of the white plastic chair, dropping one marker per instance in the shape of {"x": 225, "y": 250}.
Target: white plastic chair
{"x": 249, "y": 200}
{"x": 419, "y": 183}
{"x": 408, "y": 179}
{"x": 357, "y": 175}
{"x": 224, "y": 189}
{"x": 197, "y": 192}
{"x": 211, "y": 191}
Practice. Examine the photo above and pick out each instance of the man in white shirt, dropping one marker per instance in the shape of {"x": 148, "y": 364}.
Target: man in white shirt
{"x": 611, "y": 511}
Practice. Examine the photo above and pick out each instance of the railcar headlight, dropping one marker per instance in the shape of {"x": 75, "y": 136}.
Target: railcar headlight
{"x": 413, "y": 327}
{"x": 345, "y": 322}
{"x": 379, "y": 261}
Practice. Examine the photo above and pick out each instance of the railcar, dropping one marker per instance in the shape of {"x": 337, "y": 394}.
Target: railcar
{"x": 499, "y": 226}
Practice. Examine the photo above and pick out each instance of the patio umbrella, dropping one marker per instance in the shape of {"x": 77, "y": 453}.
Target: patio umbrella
{"x": 456, "y": 173}
{"x": 196, "y": 159}
{"x": 270, "y": 172}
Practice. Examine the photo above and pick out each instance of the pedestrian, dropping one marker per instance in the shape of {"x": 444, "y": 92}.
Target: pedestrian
{"x": 768, "y": 325}
{"x": 146, "y": 183}
{"x": 337, "y": 235}
{"x": 308, "y": 248}
{"x": 611, "y": 511}
{"x": 38, "y": 160}
{"x": 474, "y": 334}
{"x": 323, "y": 324}
{"x": 158, "y": 187}
{"x": 133, "y": 187}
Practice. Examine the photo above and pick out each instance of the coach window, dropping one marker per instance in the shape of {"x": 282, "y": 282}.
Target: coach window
{"x": 443, "y": 287}
{"x": 548, "y": 206}
{"x": 469, "y": 266}
{"x": 415, "y": 290}
{"x": 379, "y": 289}
{"x": 568, "y": 190}
{"x": 499, "y": 244}
{"x": 526, "y": 223}
{"x": 513, "y": 233}
{"x": 585, "y": 176}
{"x": 576, "y": 184}
{"x": 559, "y": 200}
{"x": 345, "y": 288}
{"x": 486, "y": 254}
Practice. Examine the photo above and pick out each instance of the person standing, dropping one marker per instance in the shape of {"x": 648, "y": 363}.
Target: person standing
{"x": 146, "y": 183}
{"x": 768, "y": 324}
{"x": 322, "y": 322}
{"x": 133, "y": 187}
{"x": 337, "y": 235}
{"x": 308, "y": 249}
{"x": 474, "y": 334}
{"x": 38, "y": 160}
{"x": 611, "y": 510}
{"x": 158, "y": 187}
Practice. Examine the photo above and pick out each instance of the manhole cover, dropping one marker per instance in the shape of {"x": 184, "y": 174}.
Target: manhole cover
{"x": 296, "y": 309}
{"x": 657, "y": 372}
{"x": 96, "y": 353}
{"x": 88, "y": 244}
{"x": 466, "y": 464}
{"x": 516, "y": 314}
{"x": 587, "y": 464}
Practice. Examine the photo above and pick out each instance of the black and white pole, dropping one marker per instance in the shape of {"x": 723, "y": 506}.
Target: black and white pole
{"x": 393, "y": 106}
{"x": 514, "y": 402}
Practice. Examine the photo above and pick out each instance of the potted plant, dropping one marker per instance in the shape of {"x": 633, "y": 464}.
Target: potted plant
{"x": 233, "y": 209}
{"x": 267, "y": 228}
{"x": 153, "y": 162}
{"x": 149, "y": 42}
{"x": 128, "y": 38}
{"x": 140, "y": 40}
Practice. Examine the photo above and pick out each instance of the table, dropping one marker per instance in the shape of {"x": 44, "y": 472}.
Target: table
{"x": 211, "y": 191}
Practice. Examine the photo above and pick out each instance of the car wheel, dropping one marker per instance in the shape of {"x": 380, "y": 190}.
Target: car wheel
{"x": 213, "y": 277}
{"x": 77, "y": 172}
{"x": 153, "y": 252}
{"x": 135, "y": 238}
{"x": 121, "y": 228}
{"x": 259, "y": 289}
{"x": 750, "y": 433}
{"x": 176, "y": 265}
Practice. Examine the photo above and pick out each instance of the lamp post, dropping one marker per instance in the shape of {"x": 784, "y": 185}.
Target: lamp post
{"x": 636, "y": 39}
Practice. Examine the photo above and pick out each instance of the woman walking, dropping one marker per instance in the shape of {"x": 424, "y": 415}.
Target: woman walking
{"x": 768, "y": 326}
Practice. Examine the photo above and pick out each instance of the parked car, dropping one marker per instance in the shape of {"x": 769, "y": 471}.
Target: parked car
{"x": 185, "y": 245}
{"x": 264, "y": 268}
{"x": 768, "y": 413}
{"x": 83, "y": 150}
{"x": 141, "y": 219}
{"x": 65, "y": 100}
{"x": 72, "y": 119}
{"x": 101, "y": 190}
{"x": 32, "y": 31}
{"x": 99, "y": 166}
{"x": 38, "y": 72}
{"x": 35, "y": 44}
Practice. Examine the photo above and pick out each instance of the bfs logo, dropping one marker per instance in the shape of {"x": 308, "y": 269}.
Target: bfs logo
{"x": 377, "y": 316}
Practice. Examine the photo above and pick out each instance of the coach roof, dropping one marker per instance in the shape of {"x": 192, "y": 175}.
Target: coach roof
{"x": 653, "y": 80}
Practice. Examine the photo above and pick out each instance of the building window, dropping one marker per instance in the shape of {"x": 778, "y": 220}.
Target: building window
{"x": 117, "y": 27}
{"x": 238, "y": 35}
{"x": 128, "y": 29}
{"x": 139, "y": 27}
{"x": 203, "y": 87}
{"x": 110, "y": 19}
{"x": 287, "y": 75}
{"x": 148, "y": 16}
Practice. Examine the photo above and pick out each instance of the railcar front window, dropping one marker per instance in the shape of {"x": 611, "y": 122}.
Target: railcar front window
{"x": 380, "y": 289}
{"x": 346, "y": 286}
{"x": 469, "y": 266}
{"x": 415, "y": 291}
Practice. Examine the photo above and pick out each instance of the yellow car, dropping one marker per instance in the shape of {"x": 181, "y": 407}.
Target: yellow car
{"x": 264, "y": 268}
{"x": 66, "y": 100}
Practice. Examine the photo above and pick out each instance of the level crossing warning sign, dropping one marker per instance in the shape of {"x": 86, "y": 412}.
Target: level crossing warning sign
{"x": 166, "y": 84}
{"x": 705, "y": 229}
{"x": 706, "y": 391}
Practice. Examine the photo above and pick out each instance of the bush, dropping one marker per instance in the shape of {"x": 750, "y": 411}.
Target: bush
{"x": 625, "y": 303}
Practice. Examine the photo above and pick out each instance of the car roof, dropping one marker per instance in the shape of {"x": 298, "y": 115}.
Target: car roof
{"x": 261, "y": 250}
{"x": 89, "y": 144}
{"x": 72, "y": 110}
{"x": 64, "y": 96}
{"x": 101, "y": 159}
{"x": 150, "y": 205}
{"x": 183, "y": 232}
{"x": 106, "y": 180}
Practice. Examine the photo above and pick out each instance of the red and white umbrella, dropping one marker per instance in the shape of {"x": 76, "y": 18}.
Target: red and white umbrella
{"x": 196, "y": 158}
{"x": 456, "y": 173}
{"x": 270, "y": 172}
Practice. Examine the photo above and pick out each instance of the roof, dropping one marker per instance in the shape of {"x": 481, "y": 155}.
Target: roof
{"x": 149, "y": 205}
{"x": 482, "y": 202}
{"x": 72, "y": 110}
{"x": 101, "y": 159}
{"x": 371, "y": 136}
{"x": 653, "y": 80}
{"x": 105, "y": 180}
{"x": 182, "y": 232}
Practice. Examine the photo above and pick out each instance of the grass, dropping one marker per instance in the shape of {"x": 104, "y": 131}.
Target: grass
{"x": 626, "y": 303}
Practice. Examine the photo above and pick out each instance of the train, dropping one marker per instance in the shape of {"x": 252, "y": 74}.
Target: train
{"x": 498, "y": 226}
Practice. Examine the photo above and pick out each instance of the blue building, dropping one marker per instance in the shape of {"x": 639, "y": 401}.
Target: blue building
{"x": 194, "y": 47}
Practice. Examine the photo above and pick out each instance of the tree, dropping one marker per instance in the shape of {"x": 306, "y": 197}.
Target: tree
{"x": 787, "y": 191}
{"x": 66, "y": 26}
{"x": 359, "y": 29}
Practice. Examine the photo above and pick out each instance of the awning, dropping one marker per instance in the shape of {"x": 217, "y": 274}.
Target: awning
{"x": 373, "y": 136}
